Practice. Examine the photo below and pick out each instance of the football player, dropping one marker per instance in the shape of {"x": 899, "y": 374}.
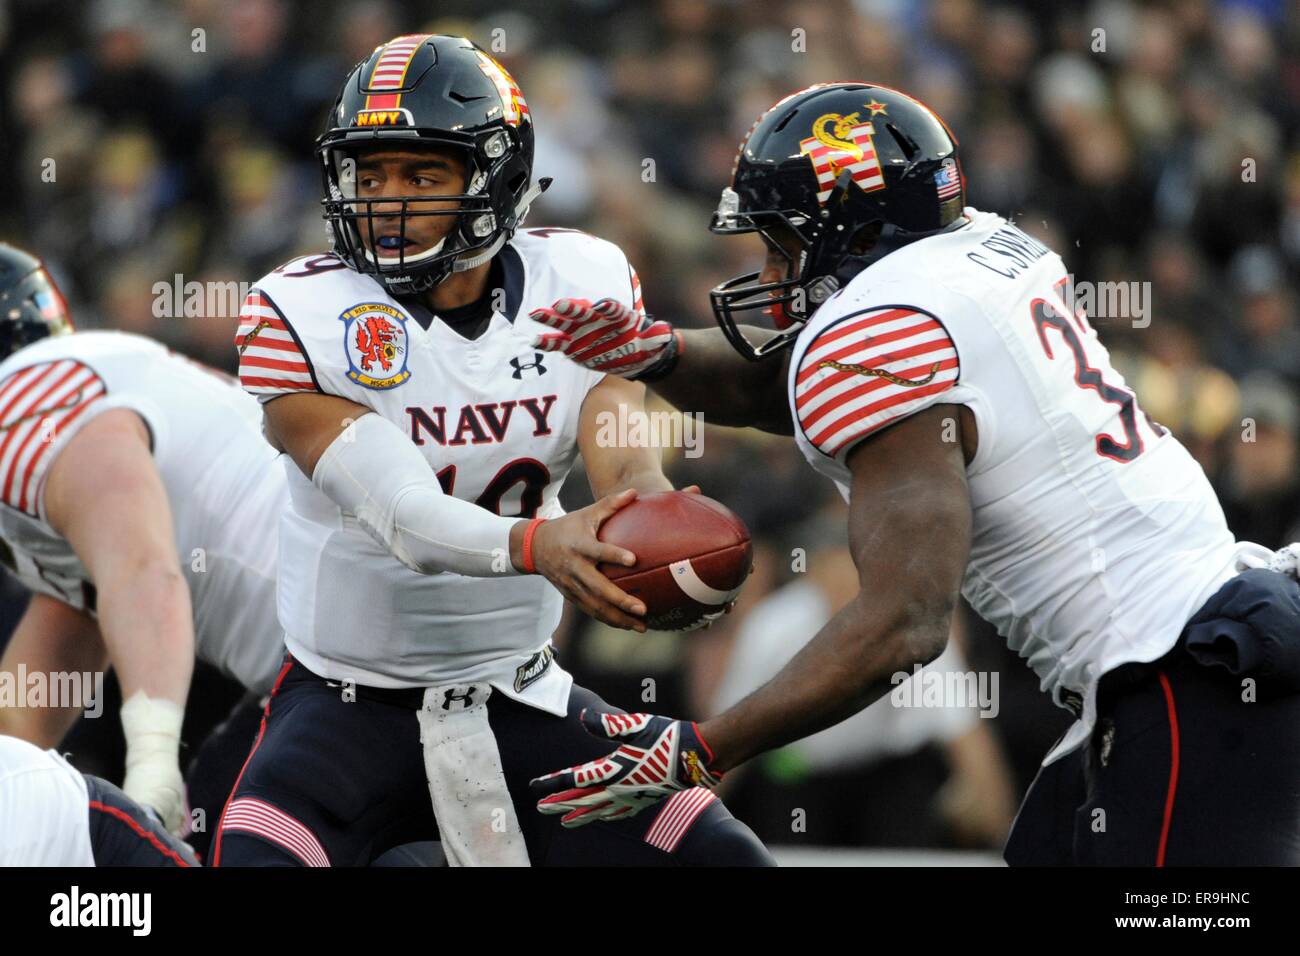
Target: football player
{"x": 426, "y": 443}
{"x": 53, "y": 815}
{"x": 137, "y": 503}
{"x": 929, "y": 360}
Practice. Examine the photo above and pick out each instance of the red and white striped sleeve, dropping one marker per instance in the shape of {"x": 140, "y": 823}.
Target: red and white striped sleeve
{"x": 38, "y": 405}
{"x": 869, "y": 369}
{"x": 272, "y": 360}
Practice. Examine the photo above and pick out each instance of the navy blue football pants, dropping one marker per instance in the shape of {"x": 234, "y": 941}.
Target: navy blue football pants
{"x": 335, "y": 782}
{"x": 123, "y": 833}
{"x": 1195, "y": 758}
{"x": 216, "y": 766}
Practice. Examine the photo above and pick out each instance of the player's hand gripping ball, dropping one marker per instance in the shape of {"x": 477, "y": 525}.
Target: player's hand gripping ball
{"x": 692, "y": 557}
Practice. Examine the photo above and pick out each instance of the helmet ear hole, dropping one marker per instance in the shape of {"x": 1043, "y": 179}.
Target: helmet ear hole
{"x": 864, "y": 240}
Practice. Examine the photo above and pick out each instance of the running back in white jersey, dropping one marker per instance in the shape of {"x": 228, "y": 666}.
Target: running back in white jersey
{"x": 497, "y": 422}
{"x": 224, "y": 486}
{"x": 1096, "y": 535}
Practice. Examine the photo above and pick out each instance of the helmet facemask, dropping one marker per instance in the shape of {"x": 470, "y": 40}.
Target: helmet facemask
{"x": 364, "y": 227}
{"x": 785, "y": 303}
{"x": 857, "y": 171}
{"x": 845, "y": 240}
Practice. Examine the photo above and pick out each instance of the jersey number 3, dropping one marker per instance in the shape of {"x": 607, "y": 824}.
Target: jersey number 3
{"x": 1048, "y": 314}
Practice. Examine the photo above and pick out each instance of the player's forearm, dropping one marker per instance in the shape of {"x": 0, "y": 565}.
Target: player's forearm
{"x": 647, "y": 480}
{"x": 711, "y": 377}
{"x": 616, "y": 460}
{"x": 844, "y": 668}
{"x": 645, "y": 476}
{"x": 372, "y": 471}
{"x": 644, "y": 480}
{"x": 147, "y": 624}
{"x": 902, "y": 614}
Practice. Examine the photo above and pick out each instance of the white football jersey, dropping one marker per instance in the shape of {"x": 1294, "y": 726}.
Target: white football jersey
{"x": 1096, "y": 535}
{"x": 44, "y": 808}
{"x": 225, "y": 488}
{"x": 497, "y": 422}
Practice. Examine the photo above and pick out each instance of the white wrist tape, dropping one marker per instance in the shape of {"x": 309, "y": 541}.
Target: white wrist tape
{"x": 371, "y": 470}
{"x": 152, "y": 726}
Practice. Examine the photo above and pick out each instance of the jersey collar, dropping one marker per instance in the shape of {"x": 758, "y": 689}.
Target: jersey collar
{"x": 512, "y": 265}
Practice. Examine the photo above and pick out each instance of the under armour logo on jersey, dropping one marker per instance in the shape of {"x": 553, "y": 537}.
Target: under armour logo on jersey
{"x": 519, "y": 365}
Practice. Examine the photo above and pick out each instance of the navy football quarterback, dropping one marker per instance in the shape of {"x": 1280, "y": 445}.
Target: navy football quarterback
{"x": 426, "y": 443}
{"x": 927, "y": 359}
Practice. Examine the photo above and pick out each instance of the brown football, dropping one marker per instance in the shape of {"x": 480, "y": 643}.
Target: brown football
{"x": 692, "y": 556}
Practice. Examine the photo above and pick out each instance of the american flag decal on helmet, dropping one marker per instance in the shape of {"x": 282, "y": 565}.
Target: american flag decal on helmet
{"x": 948, "y": 179}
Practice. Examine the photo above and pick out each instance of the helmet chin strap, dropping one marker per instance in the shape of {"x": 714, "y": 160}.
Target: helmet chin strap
{"x": 465, "y": 263}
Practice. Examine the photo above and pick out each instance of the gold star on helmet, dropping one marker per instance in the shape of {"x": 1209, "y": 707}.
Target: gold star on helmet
{"x": 876, "y": 107}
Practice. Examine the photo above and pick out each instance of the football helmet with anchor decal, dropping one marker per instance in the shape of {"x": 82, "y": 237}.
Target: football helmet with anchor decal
{"x": 832, "y": 177}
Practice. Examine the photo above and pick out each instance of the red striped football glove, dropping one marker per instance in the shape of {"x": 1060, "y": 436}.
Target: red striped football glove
{"x": 658, "y": 757}
{"x": 607, "y": 336}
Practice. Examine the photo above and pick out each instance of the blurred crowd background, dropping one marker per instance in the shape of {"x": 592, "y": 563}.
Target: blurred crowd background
{"x": 1153, "y": 142}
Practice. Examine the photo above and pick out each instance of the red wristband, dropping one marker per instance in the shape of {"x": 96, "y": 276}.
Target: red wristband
{"x": 526, "y": 555}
